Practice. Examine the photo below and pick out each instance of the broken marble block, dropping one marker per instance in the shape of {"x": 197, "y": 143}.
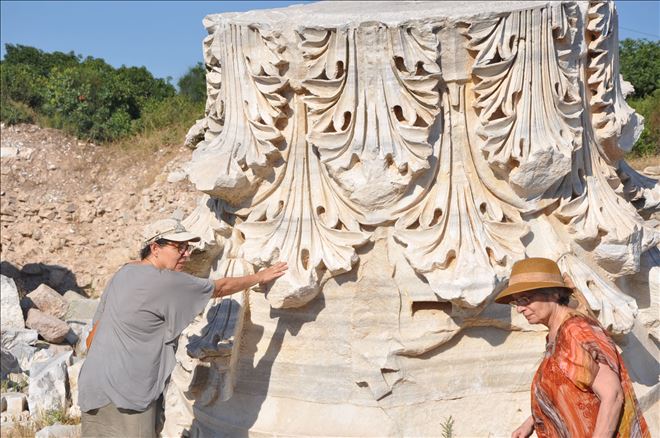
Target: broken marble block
{"x": 11, "y": 315}
{"x": 13, "y": 404}
{"x": 48, "y": 384}
{"x": 49, "y": 327}
{"x": 49, "y": 301}
{"x": 21, "y": 344}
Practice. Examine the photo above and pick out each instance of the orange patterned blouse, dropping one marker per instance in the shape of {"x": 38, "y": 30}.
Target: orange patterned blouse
{"x": 563, "y": 404}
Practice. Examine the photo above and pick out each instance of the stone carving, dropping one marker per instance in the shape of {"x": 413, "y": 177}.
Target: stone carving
{"x": 400, "y": 159}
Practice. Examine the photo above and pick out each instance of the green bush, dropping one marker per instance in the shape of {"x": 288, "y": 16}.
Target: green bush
{"x": 174, "y": 110}
{"x": 639, "y": 62}
{"x": 12, "y": 112}
{"x": 649, "y": 107}
{"x": 640, "y": 65}
{"x": 41, "y": 61}
{"x": 88, "y": 98}
{"x": 22, "y": 83}
{"x": 93, "y": 100}
{"x": 193, "y": 83}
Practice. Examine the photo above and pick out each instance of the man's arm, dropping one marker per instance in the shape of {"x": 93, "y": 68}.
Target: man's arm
{"x": 229, "y": 285}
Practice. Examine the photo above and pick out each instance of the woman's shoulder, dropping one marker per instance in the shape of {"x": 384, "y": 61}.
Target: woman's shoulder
{"x": 580, "y": 328}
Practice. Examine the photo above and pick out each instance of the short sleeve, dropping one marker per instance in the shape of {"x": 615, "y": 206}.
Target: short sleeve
{"x": 582, "y": 347}
{"x": 184, "y": 297}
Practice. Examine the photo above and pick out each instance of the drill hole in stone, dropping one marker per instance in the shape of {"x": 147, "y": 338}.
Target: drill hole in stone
{"x": 347, "y": 120}
{"x": 304, "y": 258}
{"x": 400, "y": 64}
{"x": 398, "y": 113}
{"x": 431, "y": 308}
{"x": 340, "y": 70}
{"x": 437, "y": 215}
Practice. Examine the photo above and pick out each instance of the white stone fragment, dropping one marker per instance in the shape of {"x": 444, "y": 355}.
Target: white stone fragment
{"x": 73, "y": 371}
{"x": 21, "y": 344}
{"x": 14, "y": 403}
{"x": 176, "y": 176}
{"x": 58, "y": 430}
{"x": 8, "y": 152}
{"x": 48, "y": 384}
{"x": 11, "y": 315}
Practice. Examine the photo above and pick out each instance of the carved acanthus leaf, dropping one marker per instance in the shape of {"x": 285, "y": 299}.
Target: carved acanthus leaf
{"x": 527, "y": 95}
{"x": 594, "y": 206}
{"x": 600, "y": 219}
{"x": 617, "y": 126}
{"x": 372, "y": 101}
{"x": 205, "y": 222}
{"x": 302, "y": 224}
{"x": 232, "y": 164}
{"x": 615, "y": 310}
{"x": 459, "y": 228}
{"x": 642, "y": 191}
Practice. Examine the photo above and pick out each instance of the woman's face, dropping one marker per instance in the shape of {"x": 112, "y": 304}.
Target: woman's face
{"x": 172, "y": 255}
{"x": 536, "y": 307}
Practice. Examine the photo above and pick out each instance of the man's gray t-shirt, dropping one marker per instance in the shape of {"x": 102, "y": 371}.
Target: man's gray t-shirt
{"x": 141, "y": 313}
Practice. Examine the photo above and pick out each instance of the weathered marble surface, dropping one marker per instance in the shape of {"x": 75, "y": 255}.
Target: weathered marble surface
{"x": 400, "y": 156}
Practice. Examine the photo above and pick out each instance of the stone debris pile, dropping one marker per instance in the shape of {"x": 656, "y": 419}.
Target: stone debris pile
{"x": 71, "y": 213}
{"x": 42, "y": 355}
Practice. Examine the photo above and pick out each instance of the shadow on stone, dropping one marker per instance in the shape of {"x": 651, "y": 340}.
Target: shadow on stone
{"x": 31, "y": 275}
{"x": 253, "y": 381}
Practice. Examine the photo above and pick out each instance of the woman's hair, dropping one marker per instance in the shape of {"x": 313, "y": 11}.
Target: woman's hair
{"x": 146, "y": 250}
{"x": 564, "y": 294}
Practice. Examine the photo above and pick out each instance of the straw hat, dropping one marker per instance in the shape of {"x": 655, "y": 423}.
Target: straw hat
{"x": 531, "y": 274}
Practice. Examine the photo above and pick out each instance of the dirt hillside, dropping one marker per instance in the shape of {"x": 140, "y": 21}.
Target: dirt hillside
{"x": 72, "y": 212}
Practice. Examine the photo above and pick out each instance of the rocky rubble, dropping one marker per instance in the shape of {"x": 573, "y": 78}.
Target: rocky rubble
{"x": 40, "y": 376}
{"x": 71, "y": 213}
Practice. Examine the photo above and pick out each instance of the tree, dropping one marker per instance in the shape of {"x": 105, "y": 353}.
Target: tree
{"x": 193, "y": 83}
{"x": 39, "y": 60}
{"x": 640, "y": 65}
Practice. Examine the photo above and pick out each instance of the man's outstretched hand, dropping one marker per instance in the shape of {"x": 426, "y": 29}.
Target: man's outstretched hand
{"x": 272, "y": 272}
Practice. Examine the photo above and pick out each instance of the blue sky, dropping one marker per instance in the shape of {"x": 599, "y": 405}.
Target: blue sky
{"x": 166, "y": 36}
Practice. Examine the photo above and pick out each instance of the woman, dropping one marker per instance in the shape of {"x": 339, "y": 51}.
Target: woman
{"x": 143, "y": 310}
{"x": 581, "y": 388}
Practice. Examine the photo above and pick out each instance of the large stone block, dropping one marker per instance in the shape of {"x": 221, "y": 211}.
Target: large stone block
{"x": 49, "y": 301}
{"x": 49, "y": 327}
{"x": 48, "y": 385}
{"x": 11, "y": 315}
{"x": 400, "y": 156}
{"x": 82, "y": 309}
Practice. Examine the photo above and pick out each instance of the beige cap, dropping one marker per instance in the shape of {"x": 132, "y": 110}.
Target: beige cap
{"x": 169, "y": 229}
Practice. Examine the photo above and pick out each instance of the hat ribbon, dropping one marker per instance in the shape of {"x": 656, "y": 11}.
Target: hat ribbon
{"x": 530, "y": 277}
